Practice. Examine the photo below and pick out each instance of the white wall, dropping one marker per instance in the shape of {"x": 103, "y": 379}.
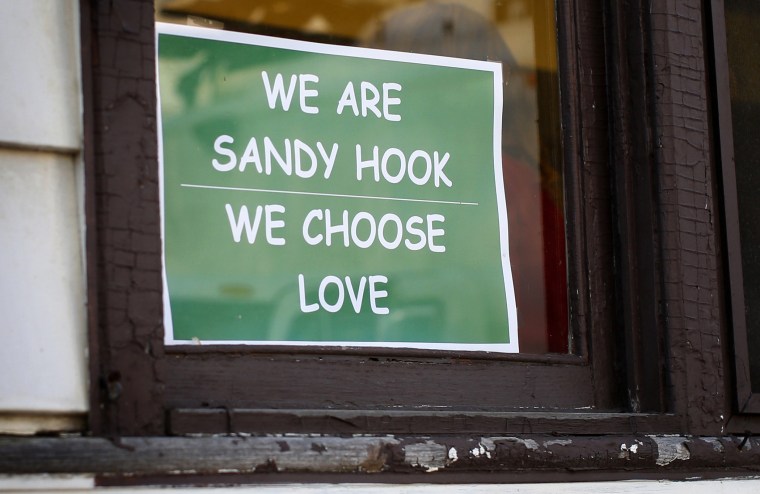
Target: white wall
{"x": 43, "y": 370}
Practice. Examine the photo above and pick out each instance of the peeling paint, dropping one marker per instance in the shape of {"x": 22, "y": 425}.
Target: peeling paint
{"x": 376, "y": 460}
{"x": 745, "y": 445}
{"x": 453, "y": 454}
{"x": 490, "y": 442}
{"x": 480, "y": 450}
{"x": 407, "y": 454}
{"x": 717, "y": 446}
{"x": 318, "y": 448}
{"x": 625, "y": 451}
{"x": 670, "y": 448}
{"x": 429, "y": 455}
{"x": 560, "y": 442}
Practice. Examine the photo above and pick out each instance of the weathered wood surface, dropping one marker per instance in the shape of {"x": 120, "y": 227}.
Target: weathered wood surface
{"x": 257, "y": 421}
{"x": 287, "y": 381}
{"x": 362, "y": 454}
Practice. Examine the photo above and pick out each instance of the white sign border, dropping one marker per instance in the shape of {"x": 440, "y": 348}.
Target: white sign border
{"x": 366, "y": 53}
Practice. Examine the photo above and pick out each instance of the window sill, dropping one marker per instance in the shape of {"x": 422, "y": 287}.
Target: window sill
{"x": 391, "y": 458}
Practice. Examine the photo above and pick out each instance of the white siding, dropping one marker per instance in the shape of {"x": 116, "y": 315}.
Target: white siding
{"x": 42, "y": 292}
{"x": 40, "y": 88}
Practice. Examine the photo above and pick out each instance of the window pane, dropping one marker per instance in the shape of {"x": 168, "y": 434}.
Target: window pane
{"x": 519, "y": 33}
{"x": 743, "y": 38}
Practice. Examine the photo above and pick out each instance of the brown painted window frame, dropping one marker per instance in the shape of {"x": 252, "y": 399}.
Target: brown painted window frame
{"x": 141, "y": 388}
{"x": 746, "y": 401}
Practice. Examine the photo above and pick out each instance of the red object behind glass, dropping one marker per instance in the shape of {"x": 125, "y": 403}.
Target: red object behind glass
{"x": 535, "y": 210}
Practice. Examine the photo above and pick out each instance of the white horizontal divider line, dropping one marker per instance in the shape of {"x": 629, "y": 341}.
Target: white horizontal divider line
{"x": 324, "y": 194}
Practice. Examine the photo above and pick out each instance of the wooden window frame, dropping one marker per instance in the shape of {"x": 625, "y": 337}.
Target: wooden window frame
{"x": 617, "y": 382}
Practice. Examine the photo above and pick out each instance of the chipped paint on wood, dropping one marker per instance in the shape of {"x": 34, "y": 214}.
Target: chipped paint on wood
{"x": 428, "y": 456}
{"x": 431, "y": 456}
{"x": 670, "y": 449}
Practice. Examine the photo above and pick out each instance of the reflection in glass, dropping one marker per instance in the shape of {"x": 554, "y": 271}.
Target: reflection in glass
{"x": 519, "y": 33}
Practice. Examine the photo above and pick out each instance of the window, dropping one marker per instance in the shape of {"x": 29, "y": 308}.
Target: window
{"x": 522, "y": 36}
{"x": 196, "y": 388}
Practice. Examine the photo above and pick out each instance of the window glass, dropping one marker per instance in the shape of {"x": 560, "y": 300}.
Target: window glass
{"x": 521, "y": 34}
{"x": 743, "y": 40}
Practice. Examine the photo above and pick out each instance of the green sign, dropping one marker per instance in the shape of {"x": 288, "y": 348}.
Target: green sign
{"x": 326, "y": 195}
